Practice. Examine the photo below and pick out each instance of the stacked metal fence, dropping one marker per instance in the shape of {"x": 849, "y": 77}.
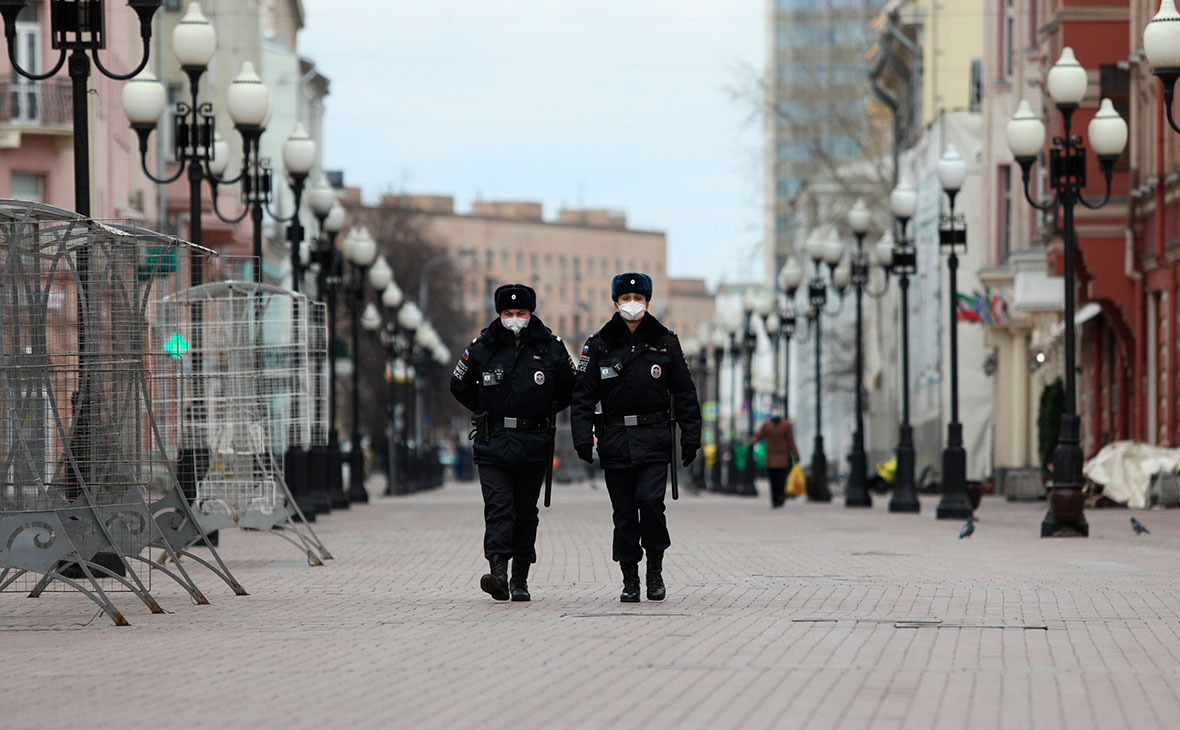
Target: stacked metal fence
{"x": 247, "y": 395}
{"x": 87, "y": 488}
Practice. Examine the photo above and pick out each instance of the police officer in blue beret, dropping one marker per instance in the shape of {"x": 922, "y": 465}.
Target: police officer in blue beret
{"x": 634, "y": 367}
{"x": 515, "y": 377}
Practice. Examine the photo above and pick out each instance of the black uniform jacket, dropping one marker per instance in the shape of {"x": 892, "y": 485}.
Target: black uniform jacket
{"x": 497, "y": 377}
{"x": 633, "y": 375}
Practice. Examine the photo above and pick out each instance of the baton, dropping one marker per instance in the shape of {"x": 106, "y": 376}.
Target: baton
{"x": 672, "y": 429}
{"x": 552, "y": 445}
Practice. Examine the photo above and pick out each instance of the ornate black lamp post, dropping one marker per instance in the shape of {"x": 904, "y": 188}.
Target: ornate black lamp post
{"x": 409, "y": 321}
{"x": 952, "y": 238}
{"x": 856, "y": 491}
{"x": 391, "y": 299}
{"x": 822, "y": 250}
{"x": 903, "y": 201}
{"x": 716, "y": 344}
{"x": 327, "y": 462}
{"x": 360, "y": 249}
{"x": 790, "y": 277}
{"x": 78, "y": 27}
{"x": 1067, "y": 82}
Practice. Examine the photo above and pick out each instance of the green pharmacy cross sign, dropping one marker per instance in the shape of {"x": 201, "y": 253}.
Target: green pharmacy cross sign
{"x": 176, "y": 346}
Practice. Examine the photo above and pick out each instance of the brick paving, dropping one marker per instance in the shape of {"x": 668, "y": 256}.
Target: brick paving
{"x": 813, "y": 616}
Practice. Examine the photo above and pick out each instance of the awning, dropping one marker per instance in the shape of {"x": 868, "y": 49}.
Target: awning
{"x": 1088, "y": 312}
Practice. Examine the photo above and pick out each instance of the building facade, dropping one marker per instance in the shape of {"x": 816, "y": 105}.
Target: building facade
{"x": 570, "y": 260}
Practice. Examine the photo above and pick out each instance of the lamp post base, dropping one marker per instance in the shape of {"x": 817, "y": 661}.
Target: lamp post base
{"x": 856, "y": 491}
{"x": 1066, "y": 516}
{"x": 357, "y": 494}
{"x": 335, "y": 480}
{"x": 954, "y": 504}
{"x": 297, "y": 470}
{"x": 905, "y": 497}
{"x": 817, "y": 479}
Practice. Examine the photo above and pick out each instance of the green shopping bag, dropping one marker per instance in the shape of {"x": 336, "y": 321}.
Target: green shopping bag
{"x": 760, "y": 454}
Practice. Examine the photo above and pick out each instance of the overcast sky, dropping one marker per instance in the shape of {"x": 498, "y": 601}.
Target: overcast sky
{"x": 606, "y": 103}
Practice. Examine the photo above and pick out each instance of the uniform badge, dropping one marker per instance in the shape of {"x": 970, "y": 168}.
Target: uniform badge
{"x": 539, "y": 378}
{"x": 656, "y": 371}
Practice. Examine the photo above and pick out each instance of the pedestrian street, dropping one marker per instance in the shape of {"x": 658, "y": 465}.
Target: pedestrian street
{"x": 810, "y": 616}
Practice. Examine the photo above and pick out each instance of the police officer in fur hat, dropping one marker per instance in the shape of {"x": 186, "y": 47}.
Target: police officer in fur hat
{"x": 635, "y": 369}
{"x": 515, "y": 377}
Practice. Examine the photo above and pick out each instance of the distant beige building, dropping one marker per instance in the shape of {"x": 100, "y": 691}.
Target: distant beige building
{"x": 569, "y": 261}
{"x": 686, "y": 304}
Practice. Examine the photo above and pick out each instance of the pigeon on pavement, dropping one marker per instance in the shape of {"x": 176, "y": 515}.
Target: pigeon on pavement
{"x": 968, "y": 529}
{"x": 1138, "y": 527}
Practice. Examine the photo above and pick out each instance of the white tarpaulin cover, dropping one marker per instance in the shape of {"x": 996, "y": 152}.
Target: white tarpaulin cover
{"x": 1124, "y": 470}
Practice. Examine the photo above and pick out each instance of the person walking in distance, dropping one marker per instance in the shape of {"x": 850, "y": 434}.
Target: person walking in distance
{"x": 781, "y": 453}
{"x": 634, "y": 367}
{"x": 514, "y": 378}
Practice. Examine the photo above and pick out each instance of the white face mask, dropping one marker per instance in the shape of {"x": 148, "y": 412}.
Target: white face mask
{"x": 632, "y": 311}
{"x": 515, "y": 324}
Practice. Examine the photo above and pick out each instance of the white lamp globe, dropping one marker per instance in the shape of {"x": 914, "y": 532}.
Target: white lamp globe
{"x": 193, "y": 40}
{"x": 903, "y": 201}
{"x": 299, "y": 151}
{"x": 773, "y": 322}
{"x": 347, "y": 243}
{"x": 144, "y": 98}
{"x": 691, "y": 347}
{"x": 391, "y": 298}
{"x": 380, "y": 274}
{"x": 859, "y": 217}
{"x": 833, "y": 248}
{"x": 1067, "y": 80}
{"x": 952, "y": 170}
{"x": 304, "y": 253}
{"x": 1161, "y": 37}
{"x": 364, "y": 248}
{"x": 334, "y": 223}
{"x": 409, "y": 317}
{"x": 883, "y": 252}
{"x": 1108, "y": 131}
{"x": 765, "y": 303}
{"x": 815, "y": 245}
{"x": 321, "y": 197}
{"x": 842, "y": 275}
{"x": 442, "y": 355}
{"x": 220, "y": 159}
{"x": 790, "y": 276}
{"x": 1026, "y": 132}
{"x": 719, "y": 336}
{"x": 248, "y": 98}
{"x": 371, "y": 318}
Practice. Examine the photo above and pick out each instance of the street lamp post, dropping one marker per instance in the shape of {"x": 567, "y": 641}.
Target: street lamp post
{"x": 361, "y": 251}
{"x": 821, "y": 251}
{"x": 903, "y": 201}
{"x": 954, "y": 504}
{"x": 409, "y": 320}
{"x": 856, "y": 492}
{"x": 717, "y": 339}
{"x": 249, "y": 108}
{"x": 790, "y": 277}
{"x": 1067, "y": 82}
{"x": 392, "y": 298}
{"x": 78, "y": 27}
{"x": 330, "y": 261}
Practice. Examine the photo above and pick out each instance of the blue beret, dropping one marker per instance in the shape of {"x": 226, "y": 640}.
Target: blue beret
{"x": 630, "y": 283}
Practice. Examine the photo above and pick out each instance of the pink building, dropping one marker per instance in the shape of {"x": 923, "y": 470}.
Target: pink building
{"x": 36, "y": 130}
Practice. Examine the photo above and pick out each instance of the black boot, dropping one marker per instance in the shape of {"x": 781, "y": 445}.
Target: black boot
{"x": 655, "y": 577}
{"x": 519, "y": 585}
{"x": 495, "y": 583}
{"x": 630, "y": 592}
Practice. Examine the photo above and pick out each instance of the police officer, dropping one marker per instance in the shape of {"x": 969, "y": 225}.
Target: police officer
{"x": 515, "y": 377}
{"x": 635, "y": 368}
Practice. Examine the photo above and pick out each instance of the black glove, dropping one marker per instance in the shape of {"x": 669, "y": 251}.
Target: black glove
{"x": 585, "y": 453}
{"x": 688, "y": 455}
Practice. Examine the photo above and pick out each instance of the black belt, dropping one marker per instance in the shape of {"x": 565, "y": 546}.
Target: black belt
{"x": 522, "y": 424}
{"x": 645, "y": 419}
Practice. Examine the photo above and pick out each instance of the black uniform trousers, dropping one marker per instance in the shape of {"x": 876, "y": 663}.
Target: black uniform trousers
{"x": 510, "y": 512}
{"x": 637, "y": 497}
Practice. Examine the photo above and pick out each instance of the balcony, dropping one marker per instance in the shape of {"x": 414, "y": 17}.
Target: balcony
{"x": 36, "y": 105}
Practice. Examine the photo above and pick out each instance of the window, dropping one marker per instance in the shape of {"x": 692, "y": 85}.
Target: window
{"x": 28, "y": 187}
{"x": 1115, "y": 84}
{"x": 1005, "y": 212}
{"x": 1007, "y": 52}
{"x": 172, "y": 5}
{"x": 491, "y": 259}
